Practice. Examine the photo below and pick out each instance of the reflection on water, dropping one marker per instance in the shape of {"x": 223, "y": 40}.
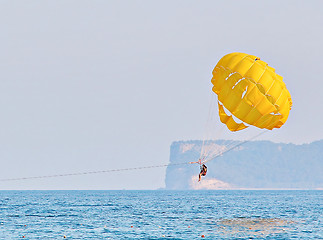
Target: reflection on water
{"x": 257, "y": 227}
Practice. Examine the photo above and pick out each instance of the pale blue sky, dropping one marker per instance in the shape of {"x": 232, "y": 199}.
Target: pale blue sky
{"x": 94, "y": 85}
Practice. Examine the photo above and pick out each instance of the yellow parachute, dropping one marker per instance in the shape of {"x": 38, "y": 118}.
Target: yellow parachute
{"x": 252, "y": 91}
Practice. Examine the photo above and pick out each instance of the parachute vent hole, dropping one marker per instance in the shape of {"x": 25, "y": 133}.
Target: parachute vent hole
{"x": 229, "y": 76}
{"x": 237, "y": 83}
{"x": 244, "y": 92}
{"x": 275, "y": 114}
{"x": 227, "y": 112}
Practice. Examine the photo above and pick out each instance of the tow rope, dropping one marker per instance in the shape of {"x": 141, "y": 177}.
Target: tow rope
{"x": 129, "y": 169}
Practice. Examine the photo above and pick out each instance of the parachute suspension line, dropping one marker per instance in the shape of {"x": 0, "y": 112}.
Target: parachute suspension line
{"x": 205, "y": 138}
{"x": 209, "y": 152}
{"x": 230, "y": 148}
{"x": 211, "y": 130}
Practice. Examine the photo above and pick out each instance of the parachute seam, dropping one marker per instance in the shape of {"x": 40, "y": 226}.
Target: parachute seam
{"x": 271, "y": 101}
{"x": 254, "y": 107}
{"x": 239, "y": 123}
{"x": 275, "y": 114}
{"x": 242, "y": 77}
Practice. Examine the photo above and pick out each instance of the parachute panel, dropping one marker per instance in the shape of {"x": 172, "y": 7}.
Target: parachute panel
{"x": 251, "y": 90}
{"x": 229, "y": 121}
{"x": 231, "y": 60}
{"x": 243, "y": 66}
{"x": 255, "y": 72}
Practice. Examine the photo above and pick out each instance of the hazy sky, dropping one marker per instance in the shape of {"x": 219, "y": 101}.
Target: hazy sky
{"x": 95, "y": 85}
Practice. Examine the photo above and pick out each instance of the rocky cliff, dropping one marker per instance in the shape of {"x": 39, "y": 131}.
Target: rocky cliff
{"x": 253, "y": 165}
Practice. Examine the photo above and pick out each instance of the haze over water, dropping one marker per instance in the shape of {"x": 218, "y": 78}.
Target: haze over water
{"x": 161, "y": 214}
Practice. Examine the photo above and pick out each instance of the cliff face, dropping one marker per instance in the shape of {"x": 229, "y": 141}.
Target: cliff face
{"x": 258, "y": 164}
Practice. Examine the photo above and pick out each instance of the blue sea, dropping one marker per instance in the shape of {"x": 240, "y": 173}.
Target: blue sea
{"x": 161, "y": 214}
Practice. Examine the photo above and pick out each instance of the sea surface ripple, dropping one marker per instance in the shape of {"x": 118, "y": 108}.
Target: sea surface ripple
{"x": 161, "y": 214}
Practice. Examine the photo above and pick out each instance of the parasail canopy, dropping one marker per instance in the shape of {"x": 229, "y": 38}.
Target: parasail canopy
{"x": 251, "y": 91}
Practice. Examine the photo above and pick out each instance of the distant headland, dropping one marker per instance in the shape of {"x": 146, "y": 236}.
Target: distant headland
{"x": 254, "y": 165}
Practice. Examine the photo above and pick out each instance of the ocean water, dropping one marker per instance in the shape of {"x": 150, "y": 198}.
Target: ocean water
{"x": 161, "y": 214}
